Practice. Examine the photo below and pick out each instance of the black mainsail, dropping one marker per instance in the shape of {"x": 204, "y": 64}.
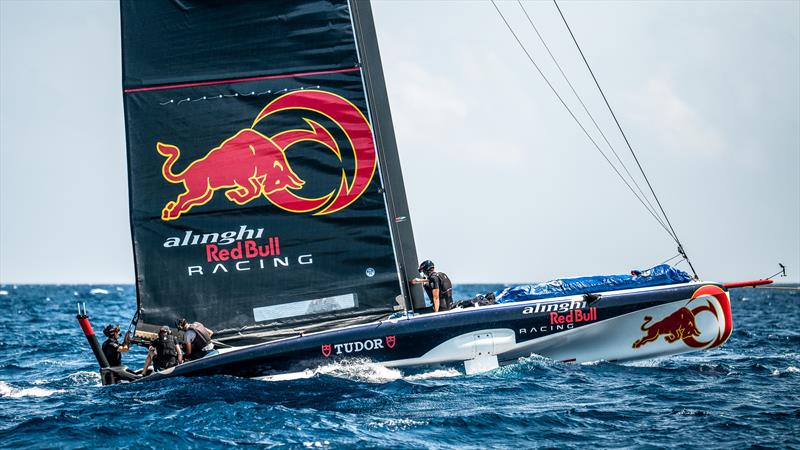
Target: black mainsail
{"x": 266, "y": 195}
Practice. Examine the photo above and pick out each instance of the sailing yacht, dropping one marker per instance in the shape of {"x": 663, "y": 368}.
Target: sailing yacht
{"x": 267, "y": 202}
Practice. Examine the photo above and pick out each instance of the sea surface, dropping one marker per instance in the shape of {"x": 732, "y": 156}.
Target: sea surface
{"x": 744, "y": 394}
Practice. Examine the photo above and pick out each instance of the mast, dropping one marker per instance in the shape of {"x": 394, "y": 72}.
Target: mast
{"x": 397, "y": 203}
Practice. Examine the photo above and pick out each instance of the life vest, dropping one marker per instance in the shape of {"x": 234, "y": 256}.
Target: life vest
{"x": 166, "y": 352}
{"x": 110, "y": 349}
{"x": 201, "y": 339}
{"x": 445, "y": 290}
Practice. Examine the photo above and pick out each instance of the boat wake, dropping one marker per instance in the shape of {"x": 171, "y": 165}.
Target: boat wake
{"x": 11, "y": 391}
{"x": 363, "y": 370}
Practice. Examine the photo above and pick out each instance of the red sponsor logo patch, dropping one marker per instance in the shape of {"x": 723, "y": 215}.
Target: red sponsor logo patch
{"x": 250, "y": 165}
{"x": 574, "y": 316}
{"x": 681, "y": 325}
{"x": 358, "y": 346}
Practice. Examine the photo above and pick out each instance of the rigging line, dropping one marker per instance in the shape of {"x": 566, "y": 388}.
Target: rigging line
{"x": 585, "y": 109}
{"x": 670, "y": 259}
{"x": 658, "y": 202}
{"x": 574, "y": 117}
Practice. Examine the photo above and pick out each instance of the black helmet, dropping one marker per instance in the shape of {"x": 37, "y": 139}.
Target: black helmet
{"x": 426, "y": 266}
{"x": 110, "y": 329}
{"x": 180, "y": 322}
{"x": 163, "y": 330}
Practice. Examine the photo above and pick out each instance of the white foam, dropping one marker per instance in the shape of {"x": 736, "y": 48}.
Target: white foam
{"x": 362, "y": 370}
{"x": 98, "y": 291}
{"x": 3, "y": 292}
{"x": 645, "y": 363}
{"x": 440, "y": 373}
{"x": 10, "y": 391}
{"x": 397, "y": 423}
{"x": 790, "y": 369}
{"x": 83, "y": 377}
{"x": 308, "y": 373}
{"x": 593, "y": 363}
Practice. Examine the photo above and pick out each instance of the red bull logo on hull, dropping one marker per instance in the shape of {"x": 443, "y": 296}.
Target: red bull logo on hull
{"x": 682, "y": 324}
{"x": 250, "y": 165}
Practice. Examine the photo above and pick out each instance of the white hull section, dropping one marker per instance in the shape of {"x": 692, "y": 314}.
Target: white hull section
{"x": 669, "y": 329}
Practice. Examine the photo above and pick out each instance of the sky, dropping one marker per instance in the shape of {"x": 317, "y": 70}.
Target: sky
{"x": 502, "y": 184}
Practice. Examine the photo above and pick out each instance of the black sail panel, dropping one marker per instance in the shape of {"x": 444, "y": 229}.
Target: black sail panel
{"x": 255, "y": 180}
{"x": 185, "y": 41}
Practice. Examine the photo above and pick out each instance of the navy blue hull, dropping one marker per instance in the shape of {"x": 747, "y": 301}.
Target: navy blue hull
{"x": 405, "y": 342}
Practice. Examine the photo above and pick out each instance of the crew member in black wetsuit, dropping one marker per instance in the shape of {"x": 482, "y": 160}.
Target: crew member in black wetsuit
{"x": 437, "y": 285}
{"x": 196, "y": 339}
{"x": 164, "y": 352}
{"x": 112, "y": 348}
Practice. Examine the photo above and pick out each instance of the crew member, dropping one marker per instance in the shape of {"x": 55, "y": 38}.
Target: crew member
{"x": 437, "y": 285}
{"x": 196, "y": 339}
{"x": 112, "y": 348}
{"x": 164, "y": 352}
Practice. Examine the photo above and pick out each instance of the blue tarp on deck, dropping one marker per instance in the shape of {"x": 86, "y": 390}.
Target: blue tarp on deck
{"x": 657, "y": 276}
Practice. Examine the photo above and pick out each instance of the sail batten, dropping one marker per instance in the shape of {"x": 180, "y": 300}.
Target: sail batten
{"x": 239, "y": 80}
{"x": 259, "y": 190}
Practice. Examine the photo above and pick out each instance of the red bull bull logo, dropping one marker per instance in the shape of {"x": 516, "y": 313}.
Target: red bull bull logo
{"x": 678, "y": 325}
{"x": 249, "y": 165}
{"x": 682, "y": 324}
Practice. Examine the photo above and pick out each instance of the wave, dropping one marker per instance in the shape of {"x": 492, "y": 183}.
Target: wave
{"x": 396, "y": 424}
{"x": 98, "y": 291}
{"x": 11, "y": 391}
{"x": 3, "y": 292}
{"x": 787, "y": 371}
{"x": 84, "y": 378}
{"x": 77, "y": 379}
{"x": 530, "y": 364}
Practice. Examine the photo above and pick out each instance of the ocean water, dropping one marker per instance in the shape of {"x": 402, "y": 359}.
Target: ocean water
{"x": 744, "y": 394}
